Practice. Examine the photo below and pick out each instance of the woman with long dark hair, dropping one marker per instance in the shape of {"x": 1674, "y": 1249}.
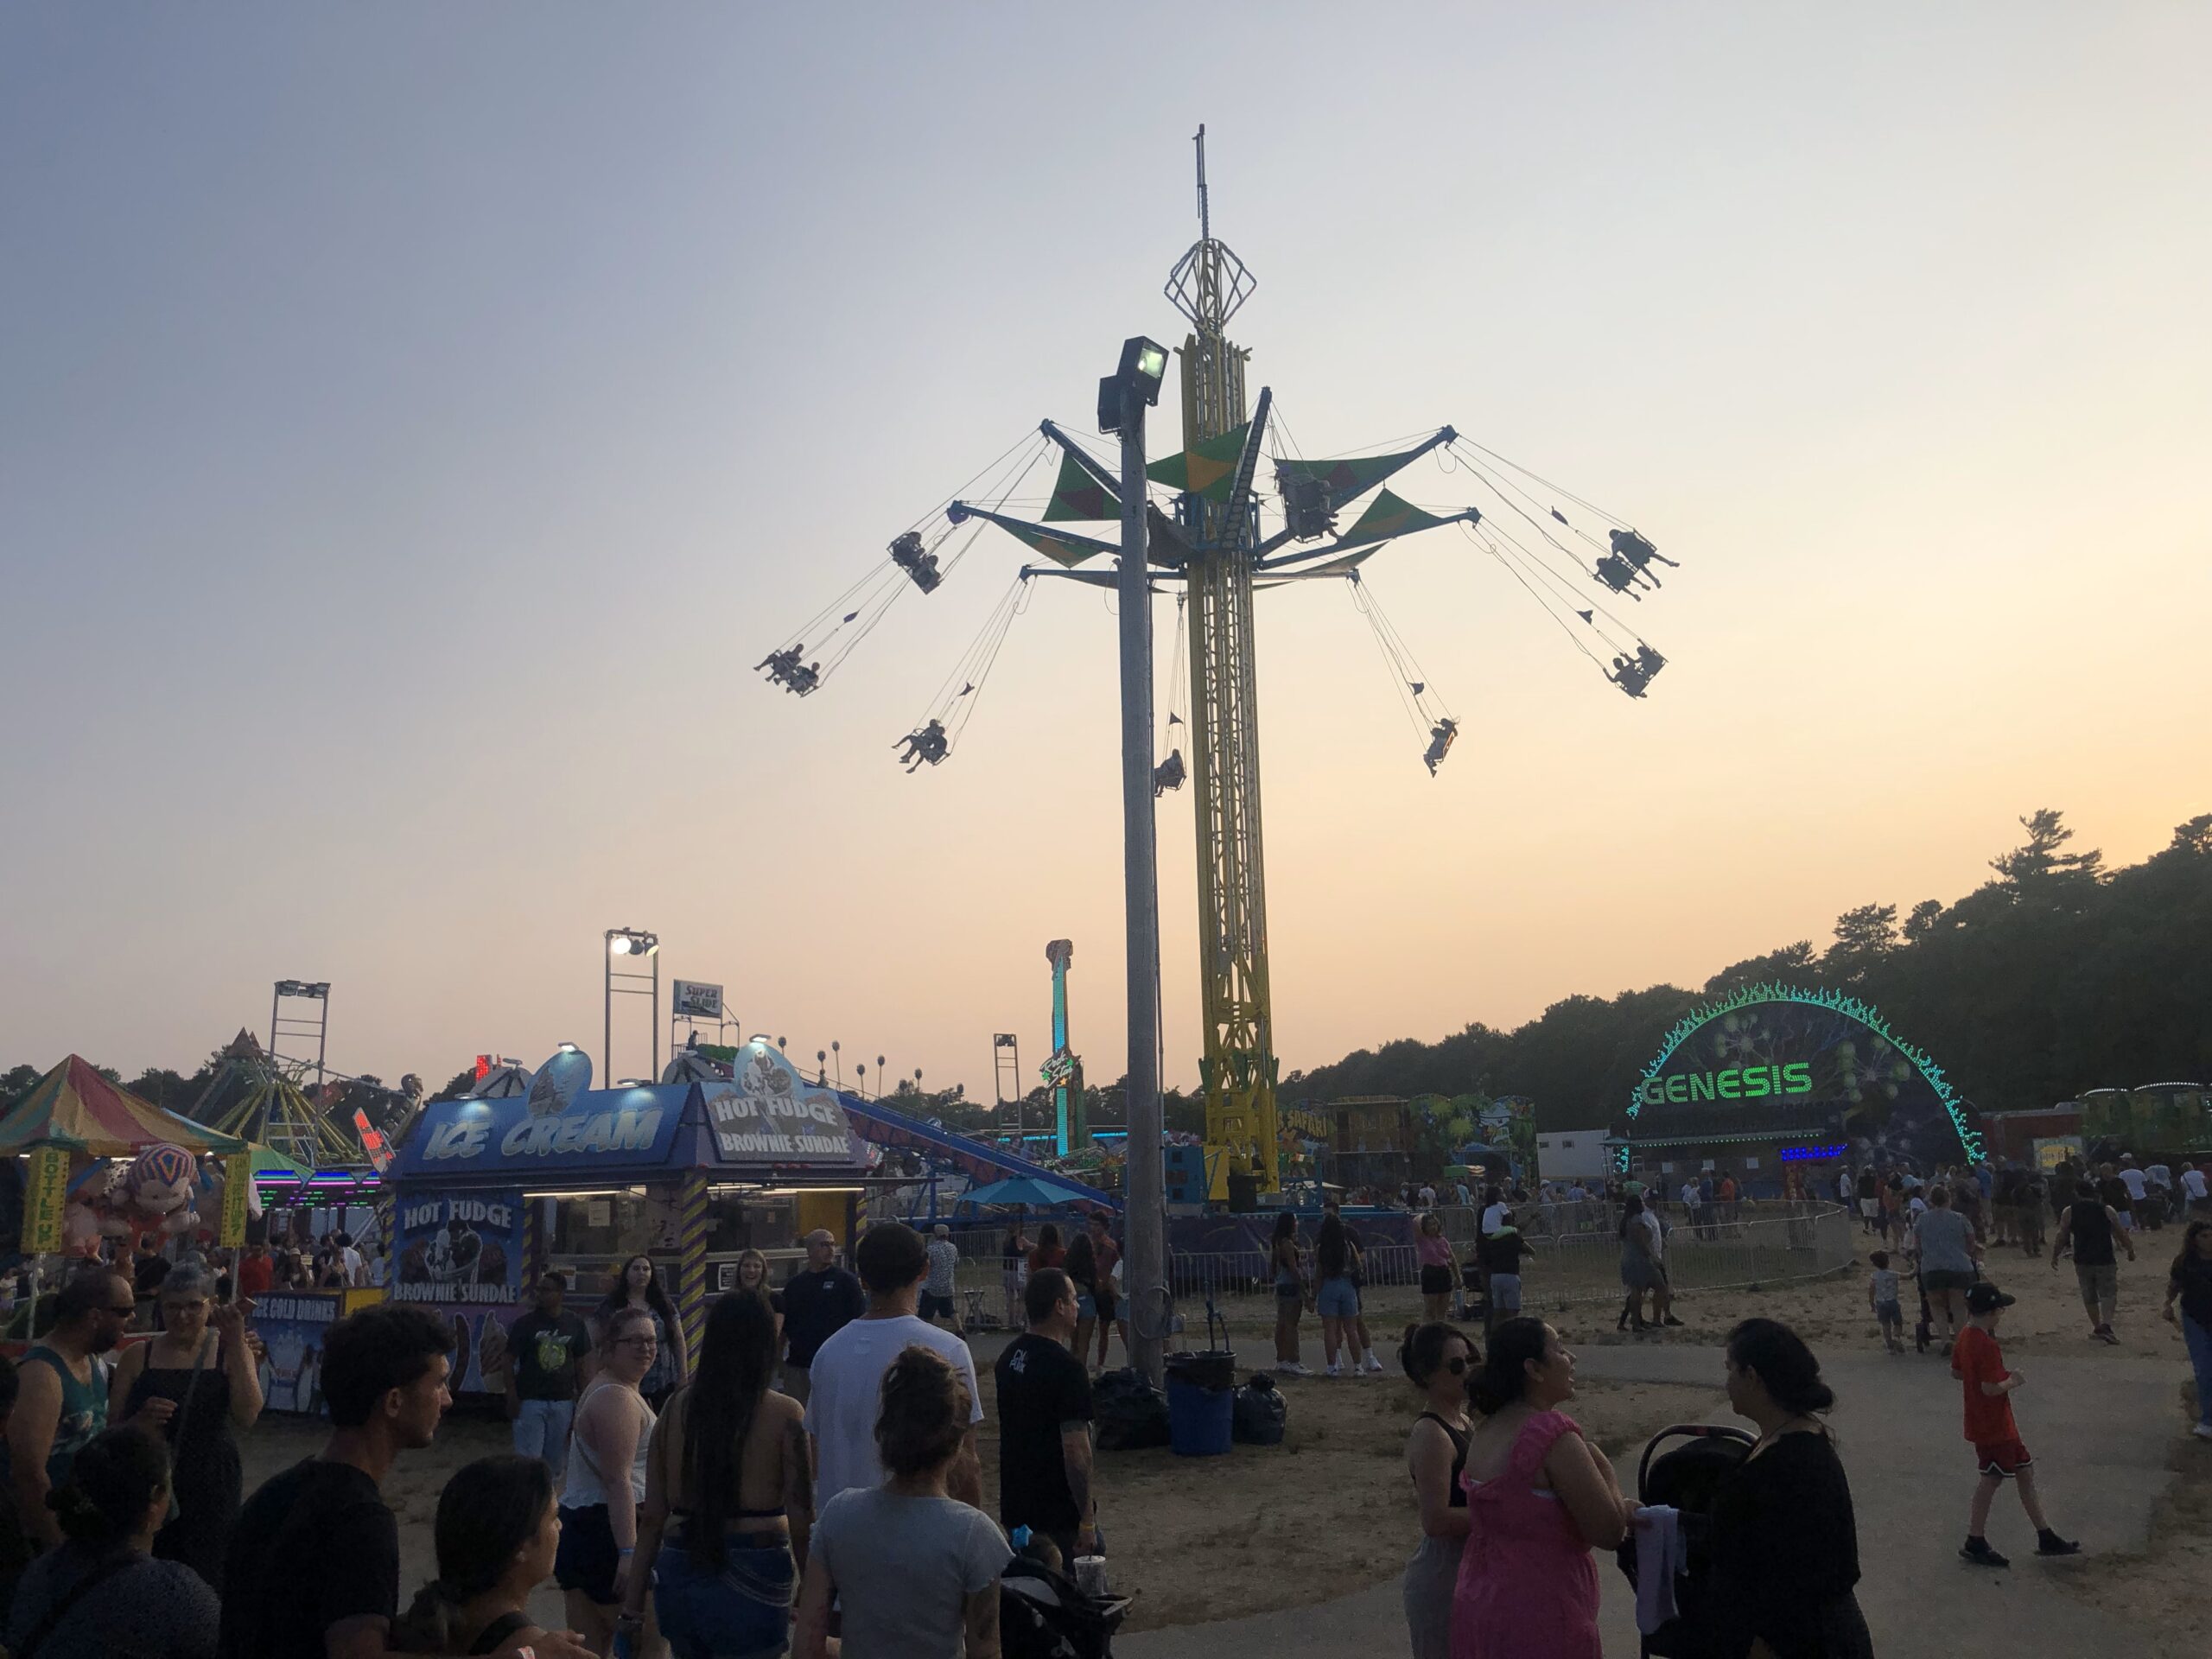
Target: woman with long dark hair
{"x": 1436, "y": 1356}
{"x": 1335, "y": 1295}
{"x": 1540, "y": 1498}
{"x": 1287, "y": 1269}
{"x": 913, "y": 1571}
{"x": 729, "y": 1496}
{"x": 1082, "y": 1266}
{"x": 497, "y": 1533}
{"x": 1048, "y": 1253}
{"x": 200, "y": 1363}
{"x": 638, "y": 1286}
{"x": 1784, "y": 1541}
{"x": 101, "y": 1592}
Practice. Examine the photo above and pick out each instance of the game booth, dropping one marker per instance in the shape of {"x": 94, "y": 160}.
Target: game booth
{"x": 491, "y": 1190}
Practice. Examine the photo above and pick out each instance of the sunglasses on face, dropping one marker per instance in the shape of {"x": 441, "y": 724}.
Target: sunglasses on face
{"x": 638, "y": 1342}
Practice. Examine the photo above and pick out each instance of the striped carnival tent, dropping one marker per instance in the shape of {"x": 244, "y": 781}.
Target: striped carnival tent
{"x": 75, "y": 1108}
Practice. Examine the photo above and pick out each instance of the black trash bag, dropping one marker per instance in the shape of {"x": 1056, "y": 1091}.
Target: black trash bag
{"x": 1130, "y": 1413}
{"x": 1260, "y": 1413}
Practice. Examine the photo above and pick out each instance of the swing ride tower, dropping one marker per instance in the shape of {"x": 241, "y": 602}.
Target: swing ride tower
{"x": 1237, "y": 1067}
{"x": 1214, "y": 550}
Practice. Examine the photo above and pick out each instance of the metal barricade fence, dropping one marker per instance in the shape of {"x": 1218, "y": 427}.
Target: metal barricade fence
{"x": 1583, "y": 1266}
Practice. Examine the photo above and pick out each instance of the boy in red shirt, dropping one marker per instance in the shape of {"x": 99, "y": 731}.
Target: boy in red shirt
{"x": 1978, "y": 1364}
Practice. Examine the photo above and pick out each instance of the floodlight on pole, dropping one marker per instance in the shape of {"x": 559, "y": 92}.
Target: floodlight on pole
{"x": 1144, "y": 365}
{"x": 629, "y": 942}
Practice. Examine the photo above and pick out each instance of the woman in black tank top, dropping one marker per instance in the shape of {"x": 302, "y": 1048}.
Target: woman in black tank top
{"x": 1437, "y": 1357}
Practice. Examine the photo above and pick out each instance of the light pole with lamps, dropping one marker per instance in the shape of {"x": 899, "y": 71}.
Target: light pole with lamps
{"x": 630, "y": 942}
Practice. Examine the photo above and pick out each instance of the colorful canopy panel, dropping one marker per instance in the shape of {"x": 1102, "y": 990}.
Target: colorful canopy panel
{"x": 73, "y": 1106}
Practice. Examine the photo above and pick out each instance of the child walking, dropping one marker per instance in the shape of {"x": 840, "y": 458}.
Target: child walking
{"x": 1978, "y": 1364}
{"x": 1881, "y": 1297}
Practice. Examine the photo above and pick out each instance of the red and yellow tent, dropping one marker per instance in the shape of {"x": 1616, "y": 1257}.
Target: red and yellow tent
{"x": 74, "y": 1107}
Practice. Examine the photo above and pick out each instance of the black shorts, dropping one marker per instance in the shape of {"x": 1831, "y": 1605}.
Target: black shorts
{"x": 1946, "y": 1279}
{"x": 936, "y": 1306}
{"x": 589, "y": 1557}
{"x": 1435, "y": 1280}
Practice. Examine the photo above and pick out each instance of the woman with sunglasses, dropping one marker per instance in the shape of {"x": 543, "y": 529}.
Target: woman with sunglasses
{"x": 1436, "y": 1356}
{"x": 639, "y": 1287}
{"x": 201, "y": 1365}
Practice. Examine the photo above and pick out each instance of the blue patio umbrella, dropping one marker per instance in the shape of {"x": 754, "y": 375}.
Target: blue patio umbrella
{"x": 1032, "y": 1189}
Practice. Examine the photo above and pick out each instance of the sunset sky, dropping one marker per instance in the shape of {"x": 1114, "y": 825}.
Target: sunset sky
{"x": 417, "y": 420}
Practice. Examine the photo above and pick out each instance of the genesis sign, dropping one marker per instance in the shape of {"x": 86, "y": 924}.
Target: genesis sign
{"x": 1737, "y": 1083}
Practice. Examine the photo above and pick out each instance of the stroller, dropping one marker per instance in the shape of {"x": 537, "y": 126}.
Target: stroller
{"x": 1044, "y": 1615}
{"x": 1685, "y": 1478}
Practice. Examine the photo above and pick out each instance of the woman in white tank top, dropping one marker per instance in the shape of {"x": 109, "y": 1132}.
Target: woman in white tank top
{"x": 599, "y": 1507}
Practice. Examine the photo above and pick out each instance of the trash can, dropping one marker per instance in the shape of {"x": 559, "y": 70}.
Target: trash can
{"x": 1201, "y": 1403}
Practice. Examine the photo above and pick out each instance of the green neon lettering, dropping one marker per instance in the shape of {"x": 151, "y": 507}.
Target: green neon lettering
{"x": 1755, "y": 1083}
{"x": 1701, "y": 1085}
{"x": 1731, "y": 1085}
{"x": 1799, "y": 1075}
{"x": 1655, "y": 1092}
{"x": 1677, "y": 1091}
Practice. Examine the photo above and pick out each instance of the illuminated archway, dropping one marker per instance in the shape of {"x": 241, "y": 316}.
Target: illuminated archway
{"x": 1861, "y": 1083}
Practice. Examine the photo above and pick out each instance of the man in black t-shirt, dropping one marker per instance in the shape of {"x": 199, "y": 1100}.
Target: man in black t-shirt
{"x": 545, "y": 1355}
{"x": 821, "y": 1299}
{"x": 1044, "y": 1422}
{"x": 313, "y": 1571}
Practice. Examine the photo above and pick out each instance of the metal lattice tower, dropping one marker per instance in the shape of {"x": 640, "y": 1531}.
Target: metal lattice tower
{"x": 1238, "y": 1066}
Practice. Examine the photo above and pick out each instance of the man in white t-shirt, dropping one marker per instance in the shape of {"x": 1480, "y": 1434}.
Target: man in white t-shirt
{"x": 1428, "y": 1195}
{"x": 350, "y": 1258}
{"x": 847, "y": 1376}
{"x": 2193, "y": 1186}
{"x": 2134, "y": 1180}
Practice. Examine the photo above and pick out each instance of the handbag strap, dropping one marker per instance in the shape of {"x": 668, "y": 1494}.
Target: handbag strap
{"x": 191, "y": 1389}
{"x": 97, "y": 1574}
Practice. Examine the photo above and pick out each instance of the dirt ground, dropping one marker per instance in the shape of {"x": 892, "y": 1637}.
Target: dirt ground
{"x": 1331, "y": 1510}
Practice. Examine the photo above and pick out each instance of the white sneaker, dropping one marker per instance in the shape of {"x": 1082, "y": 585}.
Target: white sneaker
{"x": 1335, "y": 1371}
{"x": 1373, "y": 1365}
{"x": 2204, "y": 1431}
{"x": 1292, "y": 1368}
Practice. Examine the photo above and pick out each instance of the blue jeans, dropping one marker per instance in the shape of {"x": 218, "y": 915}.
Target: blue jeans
{"x": 1337, "y": 1299}
{"x": 2199, "y": 1338}
{"x": 743, "y": 1612}
{"x": 542, "y": 1431}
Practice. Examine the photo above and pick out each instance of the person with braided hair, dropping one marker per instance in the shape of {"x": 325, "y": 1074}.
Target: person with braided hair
{"x": 497, "y": 1532}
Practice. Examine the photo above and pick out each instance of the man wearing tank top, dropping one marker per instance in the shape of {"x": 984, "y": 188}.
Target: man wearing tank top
{"x": 2093, "y": 1227}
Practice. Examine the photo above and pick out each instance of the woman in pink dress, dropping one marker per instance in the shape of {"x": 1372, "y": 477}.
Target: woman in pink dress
{"x": 1540, "y": 1498}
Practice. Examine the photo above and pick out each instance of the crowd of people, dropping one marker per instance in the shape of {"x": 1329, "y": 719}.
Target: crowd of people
{"x": 813, "y": 1472}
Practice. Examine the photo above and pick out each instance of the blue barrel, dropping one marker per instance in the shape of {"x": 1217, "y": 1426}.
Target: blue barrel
{"x": 1198, "y": 1418}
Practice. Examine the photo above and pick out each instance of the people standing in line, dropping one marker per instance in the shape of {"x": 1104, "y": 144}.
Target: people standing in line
{"x": 1436, "y": 1357}
{"x": 1433, "y": 1252}
{"x": 910, "y": 1562}
{"x": 849, "y": 1369}
{"x": 1978, "y": 1364}
{"x": 1540, "y": 1498}
{"x": 941, "y": 1287}
{"x": 729, "y": 1497}
{"x": 819, "y": 1301}
{"x": 1113, "y": 1307}
{"x": 2091, "y": 1227}
{"x": 547, "y": 1349}
{"x": 102, "y": 1592}
{"x": 636, "y": 1286}
{"x": 62, "y": 1392}
{"x": 1044, "y": 1416}
{"x": 606, "y": 1479}
{"x": 497, "y": 1533}
{"x": 313, "y": 1567}
{"x": 1335, "y": 1297}
{"x": 1014, "y": 1269}
{"x": 210, "y": 1378}
{"x": 1784, "y": 1539}
{"x": 1949, "y": 1255}
{"x": 2190, "y": 1282}
{"x": 1287, "y": 1268}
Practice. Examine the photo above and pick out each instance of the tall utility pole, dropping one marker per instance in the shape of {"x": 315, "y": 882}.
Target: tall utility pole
{"x": 1146, "y": 1224}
